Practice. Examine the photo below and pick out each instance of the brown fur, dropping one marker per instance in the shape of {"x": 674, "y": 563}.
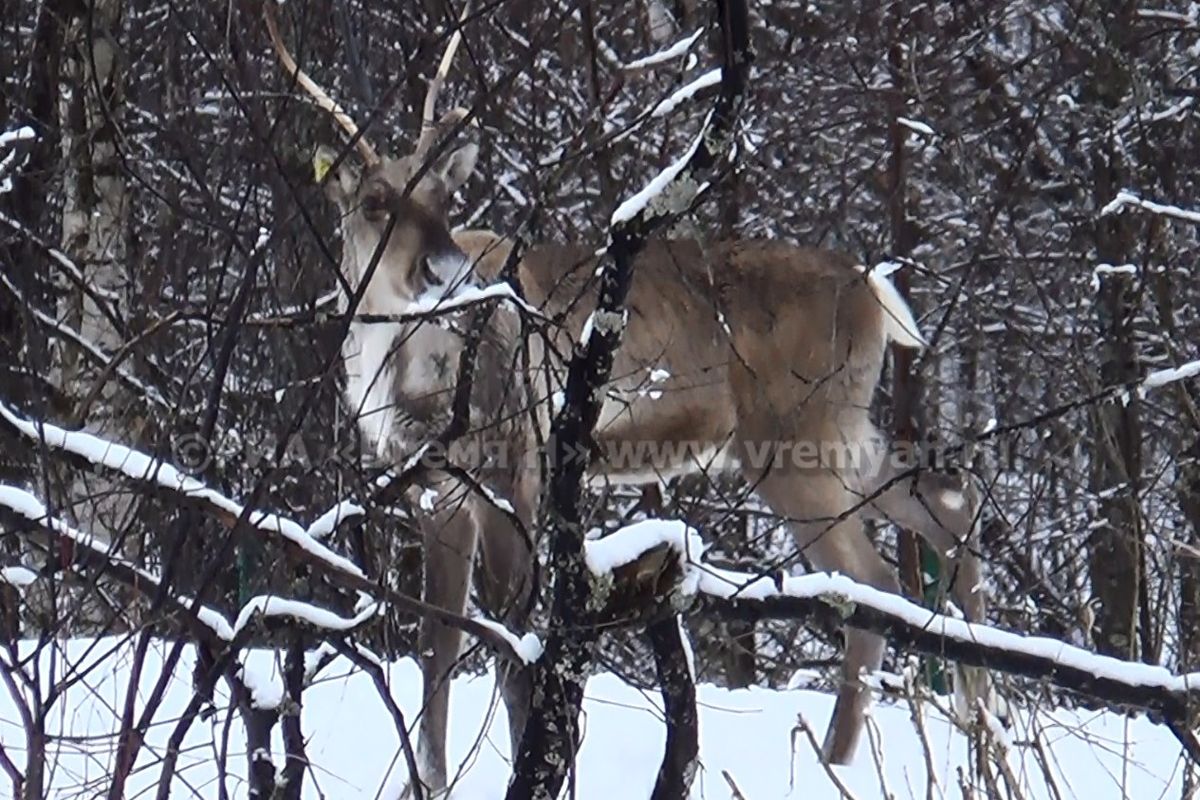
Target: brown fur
{"x": 764, "y": 343}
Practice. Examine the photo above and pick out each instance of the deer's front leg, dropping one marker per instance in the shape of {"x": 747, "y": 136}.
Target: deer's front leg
{"x": 449, "y": 538}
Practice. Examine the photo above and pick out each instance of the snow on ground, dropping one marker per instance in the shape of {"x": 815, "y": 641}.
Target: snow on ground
{"x": 747, "y": 733}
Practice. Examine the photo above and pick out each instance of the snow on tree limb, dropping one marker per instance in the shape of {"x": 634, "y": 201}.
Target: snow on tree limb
{"x": 17, "y": 576}
{"x": 434, "y": 304}
{"x": 91, "y": 552}
{"x": 686, "y": 92}
{"x": 1163, "y": 377}
{"x": 142, "y": 467}
{"x": 845, "y": 594}
{"x": 641, "y": 202}
{"x": 747, "y": 595}
{"x": 22, "y": 134}
{"x": 1126, "y": 198}
{"x": 671, "y": 53}
{"x": 307, "y": 613}
{"x": 630, "y": 543}
{"x": 328, "y": 522}
{"x": 528, "y": 647}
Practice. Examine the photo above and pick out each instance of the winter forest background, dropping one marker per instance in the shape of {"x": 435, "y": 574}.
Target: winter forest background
{"x": 167, "y": 282}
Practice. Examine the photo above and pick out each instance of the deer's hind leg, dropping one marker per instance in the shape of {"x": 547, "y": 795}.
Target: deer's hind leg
{"x": 814, "y": 501}
{"x": 944, "y": 511}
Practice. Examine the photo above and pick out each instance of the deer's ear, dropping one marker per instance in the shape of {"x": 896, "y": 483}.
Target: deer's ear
{"x": 458, "y": 166}
{"x": 339, "y": 186}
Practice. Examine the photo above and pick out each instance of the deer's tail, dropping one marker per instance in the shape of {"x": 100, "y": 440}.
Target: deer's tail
{"x": 899, "y": 324}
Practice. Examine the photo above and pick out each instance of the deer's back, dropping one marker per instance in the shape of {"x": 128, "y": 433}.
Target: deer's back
{"x": 787, "y": 338}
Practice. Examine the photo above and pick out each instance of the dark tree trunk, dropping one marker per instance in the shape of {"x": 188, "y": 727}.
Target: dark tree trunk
{"x": 672, "y": 665}
{"x": 1115, "y": 555}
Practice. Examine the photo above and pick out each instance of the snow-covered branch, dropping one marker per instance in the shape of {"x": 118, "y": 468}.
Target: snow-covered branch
{"x": 749, "y": 596}
{"x": 671, "y": 53}
{"x": 528, "y": 648}
{"x": 268, "y": 606}
{"x": 433, "y": 304}
{"x": 205, "y": 622}
{"x": 301, "y": 544}
{"x": 328, "y": 522}
{"x": 1126, "y": 198}
{"x": 686, "y": 92}
{"x": 146, "y": 469}
{"x": 644, "y": 201}
{"x": 630, "y": 543}
{"x": 1163, "y": 377}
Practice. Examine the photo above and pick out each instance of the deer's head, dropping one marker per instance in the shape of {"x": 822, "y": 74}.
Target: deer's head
{"x": 394, "y": 211}
{"x": 398, "y": 208}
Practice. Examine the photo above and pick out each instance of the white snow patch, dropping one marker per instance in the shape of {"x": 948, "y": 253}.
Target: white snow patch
{"x": 268, "y": 606}
{"x": 314, "y": 658}
{"x": 915, "y": 126}
{"x": 627, "y": 544}
{"x": 26, "y": 133}
{"x": 528, "y": 648}
{"x": 638, "y": 203}
{"x": 465, "y": 296}
{"x": 17, "y": 576}
{"x": 1109, "y": 269}
{"x": 1164, "y": 376}
{"x": 688, "y": 653}
{"x": 327, "y": 523}
{"x": 496, "y": 500}
{"x": 263, "y": 679}
{"x": 1126, "y": 198}
{"x": 674, "y": 51}
{"x": 585, "y": 335}
{"x": 686, "y": 92}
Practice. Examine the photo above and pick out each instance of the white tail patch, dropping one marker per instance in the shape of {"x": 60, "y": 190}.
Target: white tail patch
{"x": 899, "y": 324}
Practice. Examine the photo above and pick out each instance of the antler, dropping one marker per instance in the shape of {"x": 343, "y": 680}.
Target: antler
{"x": 323, "y": 100}
{"x": 429, "y": 130}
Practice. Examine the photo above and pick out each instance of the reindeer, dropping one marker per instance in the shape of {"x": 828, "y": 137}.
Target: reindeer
{"x": 771, "y": 350}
